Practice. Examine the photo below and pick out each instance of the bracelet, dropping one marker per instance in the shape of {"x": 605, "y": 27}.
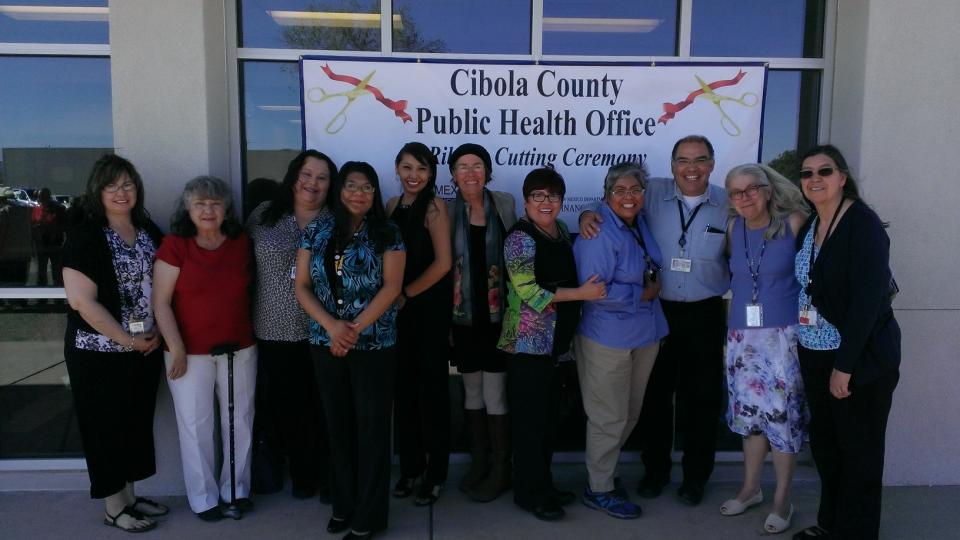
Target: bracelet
{"x": 133, "y": 338}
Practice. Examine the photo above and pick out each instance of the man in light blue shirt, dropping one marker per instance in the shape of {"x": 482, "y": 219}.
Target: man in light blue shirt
{"x": 687, "y": 216}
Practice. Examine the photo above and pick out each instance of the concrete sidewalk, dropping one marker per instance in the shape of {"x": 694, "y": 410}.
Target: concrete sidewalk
{"x": 913, "y": 513}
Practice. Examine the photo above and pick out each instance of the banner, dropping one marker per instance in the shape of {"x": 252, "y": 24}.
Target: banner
{"x": 582, "y": 118}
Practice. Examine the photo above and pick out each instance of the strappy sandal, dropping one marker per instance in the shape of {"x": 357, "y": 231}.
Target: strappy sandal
{"x": 814, "y": 531}
{"x": 404, "y": 488}
{"x": 129, "y": 511}
{"x": 150, "y": 508}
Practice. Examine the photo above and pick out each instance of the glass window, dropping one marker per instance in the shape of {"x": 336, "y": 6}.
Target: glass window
{"x": 339, "y": 25}
{"x": 54, "y": 21}
{"x": 37, "y": 419}
{"x": 757, "y": 28}
{"x": 610, "y": 27}
{"x": 490, "y": 27}
{"x": 57, "y": 120}
{"x": 790, "y": 118}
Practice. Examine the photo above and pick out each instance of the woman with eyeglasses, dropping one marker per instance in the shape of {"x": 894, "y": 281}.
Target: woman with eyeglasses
{"x": 111, "y": 344}
{"x": 202, "y": 282}
{"x": 349, "y": 274}
{"x": 766, "y": 404}
{"x": 423, "y": 327}
{"x": 479, "y": 220}
{"x": 543, "y": 309}
{"x": 288, "y": 391}
{"x": 619, "y": 335}
{"x": 849, "y": 345}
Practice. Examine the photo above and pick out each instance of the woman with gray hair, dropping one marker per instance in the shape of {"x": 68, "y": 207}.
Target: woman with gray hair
{"x": 619, "y": 334}
{"x": 767, "y": 406}
{"x": 201, "y": 295}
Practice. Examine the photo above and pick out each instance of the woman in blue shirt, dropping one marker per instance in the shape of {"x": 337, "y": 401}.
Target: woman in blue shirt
{"x": 349, "y": 273}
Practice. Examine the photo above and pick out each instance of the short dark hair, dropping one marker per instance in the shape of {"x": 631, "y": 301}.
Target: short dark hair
{"x": 208, "y": 187}
{"x": 282, "y": 203}
{"x": 544, "y": 178}
{"x": 106, "y": 171}
{"x": 850, "y": 189}
{"x": 692, "y": 139}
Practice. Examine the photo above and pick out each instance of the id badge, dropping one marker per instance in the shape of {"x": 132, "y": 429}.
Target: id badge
{"x": 137, "y": 327}
{"x": 678, "y": 264}
{"x": 754, "y": 315}
{"x": 293, "y": 272}
{"x": 808, "y": 316}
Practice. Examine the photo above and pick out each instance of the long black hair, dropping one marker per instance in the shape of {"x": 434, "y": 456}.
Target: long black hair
{"x": 377, "y": 224}
{"x": 108, "y": 170}
{"x": 282, "y": 203}
{"x": 850, "y": 190}
{"x": 418, "y": 210}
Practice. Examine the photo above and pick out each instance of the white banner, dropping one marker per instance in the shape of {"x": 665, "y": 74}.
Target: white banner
{"x": 582, "y": 118}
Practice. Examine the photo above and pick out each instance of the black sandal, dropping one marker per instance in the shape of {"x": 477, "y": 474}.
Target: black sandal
{"x": 814, "y": 531}
{"x": 404, "y": 488}
{"x": 156, "y": 509}
{"x": 427, "y": 495}
{"x": 112, "y": 521}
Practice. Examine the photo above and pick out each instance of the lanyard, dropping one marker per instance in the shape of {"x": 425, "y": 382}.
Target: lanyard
{"x": 685, "y": 225}
{"x": 638, "y": 236}
{"x": 813, "y": 242}
{"x": 754, "y": 274}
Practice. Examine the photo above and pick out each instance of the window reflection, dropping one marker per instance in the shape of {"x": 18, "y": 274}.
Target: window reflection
{"x": 610, "y": 27}
{"x": 757, "y": 28}
{"x": 790, "y": 118}
{"x": 490, "y": 27}
{"x": 339, "y": 25}
{"x": 54, "y": 21}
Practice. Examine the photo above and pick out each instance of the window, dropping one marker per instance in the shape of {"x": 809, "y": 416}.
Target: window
{"x": 57, "y": 21}
{"x": 610, "y": 27}
{"x": 340, "y": 25}
{"x": 758, "y": 28}
{"x": 440, "y": 26}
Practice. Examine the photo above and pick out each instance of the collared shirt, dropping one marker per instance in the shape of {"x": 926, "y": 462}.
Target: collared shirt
{"x": 622, "y": 319}
{"x": 709, "y": 273}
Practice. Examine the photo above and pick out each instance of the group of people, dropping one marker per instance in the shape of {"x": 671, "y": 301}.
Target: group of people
{"x": 351, "y": 309}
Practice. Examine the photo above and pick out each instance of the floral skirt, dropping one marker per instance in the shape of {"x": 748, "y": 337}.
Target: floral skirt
{"x": 765, "y": 387}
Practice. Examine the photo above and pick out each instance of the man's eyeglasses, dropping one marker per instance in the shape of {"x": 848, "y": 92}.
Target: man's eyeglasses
{"x": 683, "y": 162}
{"x": 822, "y": 172}
{"x": 749, "y": 192}
{"x": 113, "y": 188}
{"x": 540, "y": 196}
{"x": 366, "y": 189}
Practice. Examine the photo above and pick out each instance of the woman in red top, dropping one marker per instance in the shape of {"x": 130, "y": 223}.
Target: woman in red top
{"x": 201, "y": 296}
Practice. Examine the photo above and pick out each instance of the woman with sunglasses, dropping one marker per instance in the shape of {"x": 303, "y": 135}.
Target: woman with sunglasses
{"x": 349, "y": 274}
{"x": 849, "y": 345}
{"x": 423, "y": 327}
{"x": 766, "y": 405}
{"x": 543, "y": 309}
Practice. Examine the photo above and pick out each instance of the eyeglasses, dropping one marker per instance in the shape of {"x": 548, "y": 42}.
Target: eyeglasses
{"x": 749, "y": 192}
{"x": 113, "y": 188}
{"x": 540, "y": 196}
{"x": 366, "y": 189}
{"x": 621, "y": 192}
{"x": 822, "y": 172}
{"x": 463, "y": 169}
{"x": 683, "y": 162}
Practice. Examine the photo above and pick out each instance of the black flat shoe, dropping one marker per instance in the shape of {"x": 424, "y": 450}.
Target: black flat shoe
{"x": 358, "y": 536}
{"x": 404, "y": 488}
{"x": 213, "y": 514}
{"x": 690, "y": 495}
{"x": 427, "y": 495}
{"x": 650, "y": 488}
{"x": 335, "y": 525}
{"x": 562, "y": 498}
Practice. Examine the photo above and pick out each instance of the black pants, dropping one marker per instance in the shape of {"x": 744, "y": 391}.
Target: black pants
{"x": 357, "y": 394}
{"x": 532, "y": 395}
{"x": 690, "y": 365}
{"x": 115, "y": 395}
{"x": 422, "y": 397}
{"x": 847, "y": 439}
{"x": 288, "y": 404}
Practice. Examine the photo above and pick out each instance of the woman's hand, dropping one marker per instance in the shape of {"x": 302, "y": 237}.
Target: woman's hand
{"x": 651, "y": 290}
{"x": 146, "y": 343}
{"x": 840, "y": 384}
{"x": 178, "y": 367}
{"x": 343, "y": 336}
{"x": 401, "y": 301}
{"x": 592, "y": 289}
{"x": 590, "y": 224}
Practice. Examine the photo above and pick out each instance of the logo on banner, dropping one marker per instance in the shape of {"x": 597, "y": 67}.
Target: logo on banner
{"x": 706, "y": 91}
{"x": 361, "y": 87}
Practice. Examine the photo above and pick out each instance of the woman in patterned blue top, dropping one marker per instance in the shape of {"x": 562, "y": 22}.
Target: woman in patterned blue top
{"x": 349, "y": 273}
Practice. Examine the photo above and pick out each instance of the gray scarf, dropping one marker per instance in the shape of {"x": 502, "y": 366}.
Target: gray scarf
{"x": 462, "y": 280}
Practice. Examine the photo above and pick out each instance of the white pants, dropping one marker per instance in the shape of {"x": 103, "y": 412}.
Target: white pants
{"x": 612, "y": 382}
{"x": 193, "y": 401}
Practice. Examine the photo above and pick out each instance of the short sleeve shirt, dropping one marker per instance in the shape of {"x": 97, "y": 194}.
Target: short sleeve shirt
{"x": 358, "y": 278}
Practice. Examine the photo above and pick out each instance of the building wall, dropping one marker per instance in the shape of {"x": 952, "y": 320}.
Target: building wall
{"x": 895, "y": 115}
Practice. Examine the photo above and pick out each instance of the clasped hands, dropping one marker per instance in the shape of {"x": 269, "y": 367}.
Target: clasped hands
{"x": 343, "y": 336}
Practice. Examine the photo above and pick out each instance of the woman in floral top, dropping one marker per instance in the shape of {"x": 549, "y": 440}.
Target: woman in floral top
{"x": 543, "y": 309}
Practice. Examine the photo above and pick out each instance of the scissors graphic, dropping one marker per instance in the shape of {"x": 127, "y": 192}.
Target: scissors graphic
{"x": 747, "y": 99}
{"x": 340, "y": 119}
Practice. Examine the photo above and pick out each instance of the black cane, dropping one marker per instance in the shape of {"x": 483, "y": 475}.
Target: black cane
{"x": 229, "y": 349}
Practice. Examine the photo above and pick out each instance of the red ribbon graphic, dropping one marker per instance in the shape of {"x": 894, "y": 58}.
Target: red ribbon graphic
{"x": 671, "y": 109}
{"x": 396, "y": 106}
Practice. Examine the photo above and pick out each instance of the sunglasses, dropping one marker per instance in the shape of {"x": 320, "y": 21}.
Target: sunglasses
{"x": 822, "y": 172}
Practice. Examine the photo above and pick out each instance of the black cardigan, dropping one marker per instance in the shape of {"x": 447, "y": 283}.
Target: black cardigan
{"x": 850, "y": 288}
{"x": 86, "y": 251}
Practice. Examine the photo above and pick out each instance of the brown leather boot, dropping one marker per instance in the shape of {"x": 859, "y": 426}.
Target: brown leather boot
{"x": 498, "y": 481}
{"x": 479, "y": 445}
